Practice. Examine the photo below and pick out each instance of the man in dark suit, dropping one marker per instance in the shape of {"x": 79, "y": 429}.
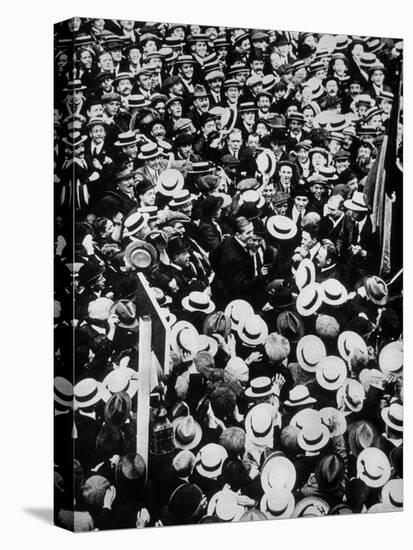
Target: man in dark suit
{"x": 358, "y": 245}
{"x": 122, "y": 199}
{"x": 332, "y": 224}
{"x": 247, "y": 164}
{"x": 326, "y": 262}
{"x": 237, "y": 275}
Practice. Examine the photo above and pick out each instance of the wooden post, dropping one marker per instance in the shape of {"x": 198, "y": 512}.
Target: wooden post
{"x": 144, "y": 388}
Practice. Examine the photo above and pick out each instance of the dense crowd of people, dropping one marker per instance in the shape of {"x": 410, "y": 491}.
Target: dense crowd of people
{"x": 231, "y": 167}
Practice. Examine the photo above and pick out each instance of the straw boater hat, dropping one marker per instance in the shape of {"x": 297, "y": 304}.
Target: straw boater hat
{"x": 313, "y": 437}
{"x": 391, "y": 358}
{"x": 63, "y": 391}
{"x": 331, "y": 373}
{"x": 122, "y": 379}
{"x": 392, "y": 494}
{"x": 252, "y": 331}
{"x": 281, "y": 227}
{"x": 210, "y": 460}
{"x": 348, "y": 341}
{"x": 310, "y": 507}
{"x": 352, "y": 395}
{"x": 140, "y": 254}
{"x": 260, "y": 387}
{"x": 299, "y": 396}
{"x": 207, "y": 343}
{"x": 266, "y": 163}
{"x": 305, "y": 417}
{"x": 278, "y": 504}
{"x": 169, "y": 317}
{"x": 198, "y": 301}
{"x": 357, "y": 203}
{"x": 277, "y": 471}
{"x": 331, "y": 415}
{"x": 134, "y": 223}
{"x": 305, "y": 273}
{"x": 373, "y": 467}
{"x": 259, "y": 424}
{"x": 393, "y": 416}
{"x": 310, "y": 351}
{"x": 126, "y": 138}
{"x": 88, "y": 392}
{"x": 187, "y": 432}
{"x": 335, "y": 293}
{"x": 223, "y": 505}
{"x": 184, "y": 337}
{"x": 310, "y": 299}
{"x": 376, "y": 290}
{"x": 237, "y": 310}
{"x": 169, "y": 182}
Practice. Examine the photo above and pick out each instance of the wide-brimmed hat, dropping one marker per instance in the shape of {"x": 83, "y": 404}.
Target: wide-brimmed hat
{"x": 331, "y": 415}
{"x": 218, "y": 323}
{"x": 126, "y": 138}
{"x": 237, "y": 311}
{"x": 266, "y": 163}
{"x": 278, "y": 503}
{"x": 88, "y": 392}
{"x": 392, "y": 493}
{"x": 361, "y": 435}
{"x": 305, "y": 417}
{"x": 313, "y": 437}
{"x": 121, "y": 379}
{"x": 252, "y": 331}
{"x": 210, "y": 460}
{"x": 184, "y": 336}
{"x": 305, "y": 273}
{"x": 391, "y": 358}
{"x": 259, "y": 424}
{"x": 291, "y": 326}
{"x": 149, "y": 151}
{"x": 335, "y": 293}
{"x": 376, "y": 290}
{"x": 63, "y": 391}
{"x": 393, "y": 416}
{"x": 281, "y": 227}
{"x": 134, "y": 223}
{"x": 330, "y": 472}
{"x": 310, "y": 299}
{"x": 331, "y": 372}
{"x": 187, "y": 432}
{"x": 223, "y": 505}
{"x": 170, "y": 181}
{"x": 117, "y": 409}
{"x": 299, "y": 396}
{"x": 126, "y": 312}
{"x": 310, "y": 507}
{"x": 310, "y": 351}
{"x": 357, "y": 203}
{"x": 277, "y": 471}
{"x": 373, "y": 467}
{"x": 198, "y": 301}
{"x": 141, "y": 255}
{"x": 348, "y": 341}
{"x": 259, "y": 387}
{"x": 352, "y": 394}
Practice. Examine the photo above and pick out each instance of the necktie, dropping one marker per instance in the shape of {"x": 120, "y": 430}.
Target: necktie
{"x": 356, "y": 232}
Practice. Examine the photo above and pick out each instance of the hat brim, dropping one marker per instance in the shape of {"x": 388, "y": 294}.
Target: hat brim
{"x": 132, "y": 386}
{"x": 192, "y": 444}
{"x": 320, "y": 444}
{"x": 286, "y": 514}
{"x": 331, "y": 386}
{"x": 271, "y": 463}
{"x": 385, "y": 416}
{"x": 303, "y": 504}
{"x": 102, "y": 393}
{"x": 306, "y": 312}
{"x": 188, "y": 307}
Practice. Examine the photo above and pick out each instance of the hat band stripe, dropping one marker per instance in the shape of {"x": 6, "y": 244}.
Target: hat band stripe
{"x": 309, "y": 363}
{"x": 282, "y": 230}
{"x": 63, "y": 396}
{"x": 395, "y": 502}
{"x": 249, "y": 335}
{"x": 331, "y": 296}
{"x": 197, "y": 305}
{"x": 125, "y": 388}
{"x": 331, "y": 380}
{"x": 84, "y": 398}
{"x": 314, "y": 441}
{"x": 299, "y": 400}
{"x": 277, "y": 512}
{"x": 211, "y": 468}
{"x": 261, "y": 390}
{"x": 261, "y": 434}
{"x": 135, "y": 226}
{"x": 394, "y": 420}
{"x": 350, "y": 399}
{"x": 312, "y": 302}
{"x": 182, "y": 438}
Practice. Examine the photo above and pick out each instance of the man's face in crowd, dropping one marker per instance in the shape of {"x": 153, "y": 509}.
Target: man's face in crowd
{"x": 310, "y": 41}
{"x": 178, "y": 89}
{"x": 308, "y": 117}
{"x": 386, "y": 105}
{"x": 257, "y": 66}
{"x": 321, "y": 73}
{"x": 158, "y": 131}
{"x": 295, "y": 127}
{"x": 217, "y": 214}
{"x": 286, "y": 174}
{"x": 187, "y": 70}
{"x": 284, "y": 49}
{"x": 185, "y": 151}
{"x": 232, "y": 93}
{"x": 106, "y": 84}
{"x": 355, "y": 89}
{"x": 353, "y": 184}
{"x": 262, "y": 129}
{"x": 156, "y": 64}
{"x": 357, "y": 216}
{"x": 287, "y": 77}
{"x": 317, "y": 190}
{"x": 209, "y": 127}
{"x": 333, "y": 210}
{"x": 106, "y": 62}
{"x": 95, "y": 111}
{"x": 332, "y": 88}
{"x": 126, "y": 186}
{"x": 376, "y": 121}
{"x": 186, "y": 208}
{"x": 264, "y": 104}
{"x": 179, "y": 33}
{"x": 234, "y": 142}
{"x": 116, "y": 55}
{"x": 130, "y": 150}
{"x": 124, "y": 87}
{"x": 339, "y": 67}
{"x": 77, "y": 97}
{"x": 279, "y": 94}
{"x": 154, "y": 163}
{"x": 176, "y": 109}
{"x": 245, "y": 46}
{"x": 86, "y": 59}
{"x": 112, "y": 108}
{"x": 247, "y": 234}
{"x": 319, "y": 160}
{"x": 222, "y": 52}
{"x": 79, "y": 151}
{"x": 268, "y": 193}
{"x": 148, "y": 198}
{"x": 160, "y": 107}
{"x": 306, "y": 240}
{"x": 334, "y": 146}
{"x": 202, "y": 104}
{"x": 98, "y": 133}
{"x": 182, "y": 260}
{"x": 201, "y": 49}
{"x": 301, "y": 203}
{"x": 149, "y": 46}
{"x": 364, "y": 154}
{"x": 257, "y": 88}
{"x": 253, "y": 142}
{"x": 302, "y": 154}
{"x": 215, "y": 85}
{"x": 134, "y": 56}
{"x": 321, "y": 258}
{"x": 74, "y": 24}
{"x": 62, "y": 61}
{"x": 248, "y": 117}
{"x": 291, "y": 109}
{"x": 348, "y": 141}
{"x": 275, "y": 60}
{"x": 144, "y": 81}
{"x": 242, "y": 77}
{"x": 281, "y": 209}
{"x": 342, "y": 165}
{"x": 377, "y": 77}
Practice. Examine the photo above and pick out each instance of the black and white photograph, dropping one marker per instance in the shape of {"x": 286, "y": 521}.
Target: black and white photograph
{"x": 228, "y": 274}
